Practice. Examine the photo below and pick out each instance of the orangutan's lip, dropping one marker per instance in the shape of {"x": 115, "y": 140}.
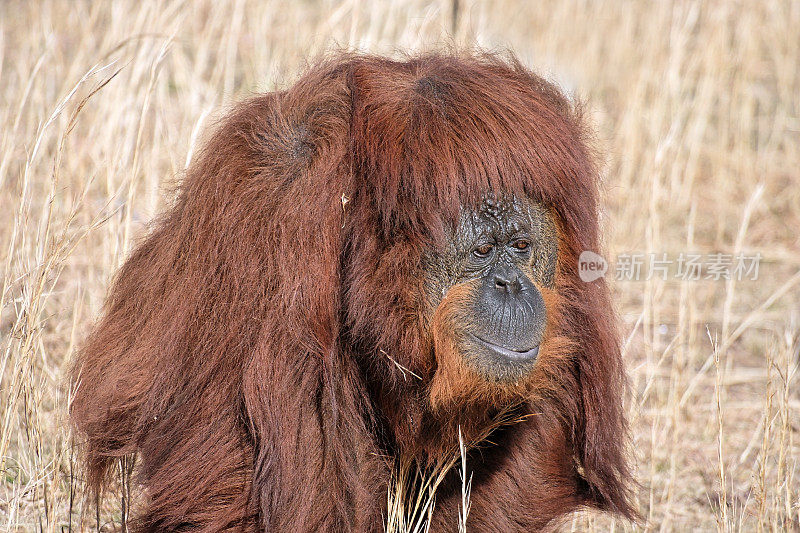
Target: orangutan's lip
{"x": 509, "y": 354}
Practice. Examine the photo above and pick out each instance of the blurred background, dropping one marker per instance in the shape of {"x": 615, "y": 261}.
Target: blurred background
{"x": 697, "y": 115}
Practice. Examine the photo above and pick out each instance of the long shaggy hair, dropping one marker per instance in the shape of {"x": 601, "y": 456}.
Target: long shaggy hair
{"x": 267, "y": 353}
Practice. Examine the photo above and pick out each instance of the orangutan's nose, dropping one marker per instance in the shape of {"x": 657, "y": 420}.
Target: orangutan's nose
{"x": 506, "y": 280}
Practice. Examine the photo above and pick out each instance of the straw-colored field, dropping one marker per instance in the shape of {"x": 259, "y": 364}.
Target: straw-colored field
{"x": 697, "y": 109}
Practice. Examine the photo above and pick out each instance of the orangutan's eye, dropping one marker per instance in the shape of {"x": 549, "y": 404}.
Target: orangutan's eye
{"x": 521, "y": 244}
{"x": 484, "y": 250}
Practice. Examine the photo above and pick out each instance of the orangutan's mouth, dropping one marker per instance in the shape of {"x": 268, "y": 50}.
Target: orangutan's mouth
{"x": 511, "y": 354}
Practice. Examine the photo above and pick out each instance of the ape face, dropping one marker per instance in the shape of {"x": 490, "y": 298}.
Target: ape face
{"x": 486, "y": 288}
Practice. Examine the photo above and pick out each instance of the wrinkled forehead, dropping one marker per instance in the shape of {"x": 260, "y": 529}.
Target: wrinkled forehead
{"x": 502, "y": 217}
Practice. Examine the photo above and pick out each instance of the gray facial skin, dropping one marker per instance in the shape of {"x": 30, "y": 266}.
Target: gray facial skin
{"x": 507, "y": 248}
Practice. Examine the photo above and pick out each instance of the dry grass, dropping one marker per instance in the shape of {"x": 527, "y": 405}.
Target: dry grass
{"x": 696, "y": 105}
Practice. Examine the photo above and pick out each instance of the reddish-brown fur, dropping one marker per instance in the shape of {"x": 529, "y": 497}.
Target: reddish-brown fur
{"x": 254, "y": 347}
